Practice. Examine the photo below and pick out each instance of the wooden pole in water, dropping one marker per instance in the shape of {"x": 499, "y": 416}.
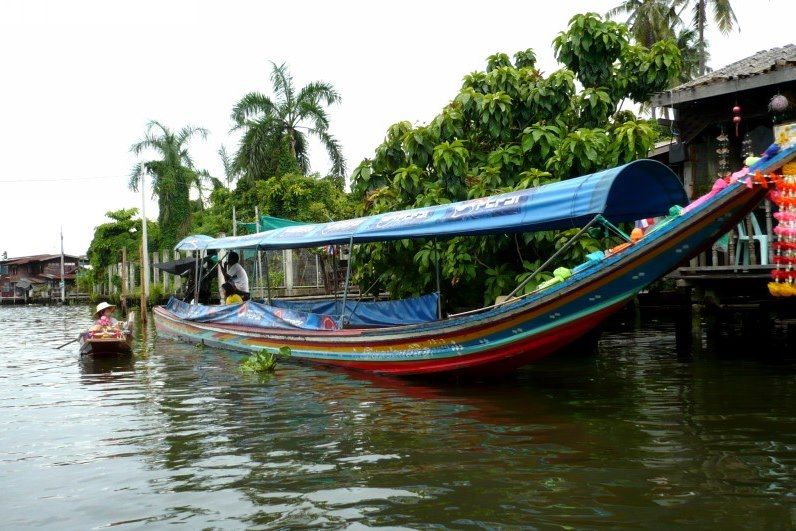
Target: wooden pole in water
{"x": 123, "y": 301}
{"x": 63, "y": 282}
{"x": 144, "y": 247}
{"x": 143, "y": 291}
{"x": 436, "y": 274}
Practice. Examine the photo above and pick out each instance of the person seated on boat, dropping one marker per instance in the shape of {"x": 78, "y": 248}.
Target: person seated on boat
{"x": 104, "y": 319}
{"x": 231, "y": 295}
{"x": 234, "y": 272}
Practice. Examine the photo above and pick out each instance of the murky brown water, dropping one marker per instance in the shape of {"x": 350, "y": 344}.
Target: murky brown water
{"x": 625, "y": 437}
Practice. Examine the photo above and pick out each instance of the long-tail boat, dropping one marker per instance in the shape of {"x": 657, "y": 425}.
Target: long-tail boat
{"x": 412, "y": 337}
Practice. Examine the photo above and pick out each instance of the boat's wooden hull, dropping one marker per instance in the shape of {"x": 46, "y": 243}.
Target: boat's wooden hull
{"x": 499, "y": 339}
{"x": 106, "y": 346}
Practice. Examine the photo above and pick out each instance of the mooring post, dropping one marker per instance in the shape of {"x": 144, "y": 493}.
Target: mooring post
{"x": 682, "y": 323}
{"x": 697, "y": 308}
{"x": 712, "y": 317}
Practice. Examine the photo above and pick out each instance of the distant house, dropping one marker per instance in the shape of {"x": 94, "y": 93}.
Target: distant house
{"x": 37, "y": 276}
{"x": 702, "y": 109}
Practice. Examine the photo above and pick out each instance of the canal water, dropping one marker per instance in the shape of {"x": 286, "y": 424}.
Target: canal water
{"x": 627, "y": 435}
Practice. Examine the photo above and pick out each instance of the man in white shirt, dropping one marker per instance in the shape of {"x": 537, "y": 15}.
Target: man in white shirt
{"x": 234, "y": 272}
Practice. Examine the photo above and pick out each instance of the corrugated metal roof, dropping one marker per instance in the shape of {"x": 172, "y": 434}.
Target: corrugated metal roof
{"x": 759, "y": 63}
{"x": 22, "y": 260}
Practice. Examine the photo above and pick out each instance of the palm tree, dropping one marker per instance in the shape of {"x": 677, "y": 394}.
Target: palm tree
{"x": 723, "y": 16}
{"x": 649, "y": 21}
{"x": 654, "y": 20}
{"x": 173, "y": 174}
{"x": 690, "y": 55}
{"x": 230, "y": 173}
{"x": 275, "y": 130}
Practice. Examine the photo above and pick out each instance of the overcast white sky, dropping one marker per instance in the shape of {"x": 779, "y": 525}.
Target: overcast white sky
{"x": 80, "y": 79}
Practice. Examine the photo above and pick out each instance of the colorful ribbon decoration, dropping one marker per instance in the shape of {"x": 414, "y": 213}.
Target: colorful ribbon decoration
{"x": 784, "y": 196}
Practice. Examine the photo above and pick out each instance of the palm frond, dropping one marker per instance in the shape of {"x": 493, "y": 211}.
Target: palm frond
{"x": 334, "y": 151}
{"x": 252, "y": 105}
{"x": 188, "y": 131}
{"x": 135, "y": 176}
{"x": 318, "y": 91}
{"x": 724, "y": 16}
{"x": 313, "y": 111}
{"x": 282, "y": 82}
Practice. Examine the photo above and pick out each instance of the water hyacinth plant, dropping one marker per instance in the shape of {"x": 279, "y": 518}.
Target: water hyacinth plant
{"x": 264, "y": 361}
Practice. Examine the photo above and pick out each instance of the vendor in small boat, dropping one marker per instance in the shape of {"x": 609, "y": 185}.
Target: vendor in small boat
{"x": 104, "y": 316}
{"x": 231, "y": 295}
{"x": 234, "y": 272}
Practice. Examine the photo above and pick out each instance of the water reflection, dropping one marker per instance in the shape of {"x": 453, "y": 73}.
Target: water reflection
{"x": 114, "y": 365}
{"x": 625, "y": 436}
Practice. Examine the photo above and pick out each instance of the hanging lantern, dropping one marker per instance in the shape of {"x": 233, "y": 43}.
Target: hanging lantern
{"x": 778, "y": 103}
{"x": 737, "y": 118}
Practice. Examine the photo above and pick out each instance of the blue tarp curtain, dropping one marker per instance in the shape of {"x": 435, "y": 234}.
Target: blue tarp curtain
{"x": 371, "y": 313}
{"x": 251, "y": 314}
{"x": 640, "y": 189}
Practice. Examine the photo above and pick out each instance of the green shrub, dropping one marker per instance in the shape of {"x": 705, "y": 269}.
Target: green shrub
{"x": 264, "y": 361}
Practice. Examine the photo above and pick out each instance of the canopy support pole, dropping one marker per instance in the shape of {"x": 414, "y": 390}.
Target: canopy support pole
{"x": 347, "y": 278}
{"x": 267, "y": 279}
{"x": 610, "y": 226}
{"x": 334, "y": 271}
{"x": 550, "y": 260}
{"x": 436, "y": 273}
{"x": 196, "y": 278}
{"x": 259, "y": 266}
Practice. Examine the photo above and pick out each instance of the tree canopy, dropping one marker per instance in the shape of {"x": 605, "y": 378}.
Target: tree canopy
{"x": 173, "y": 175}
{"x": 122, "y": 232}
{"x": 276, "y": 130}
{"x": 510, "y": 127}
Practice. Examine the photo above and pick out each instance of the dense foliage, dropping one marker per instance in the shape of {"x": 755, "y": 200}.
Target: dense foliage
{"x": 509, "y": 128}
{"x": 292, "y": 196}
{"x": 122, "y": 232}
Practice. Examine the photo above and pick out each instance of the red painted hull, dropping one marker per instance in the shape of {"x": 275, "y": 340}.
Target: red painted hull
{"x": 494, "y": 362}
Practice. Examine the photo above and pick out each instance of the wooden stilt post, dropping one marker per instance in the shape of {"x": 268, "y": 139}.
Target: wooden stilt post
{"x": 123, "y": 299}
{"x": 143, "y": 290}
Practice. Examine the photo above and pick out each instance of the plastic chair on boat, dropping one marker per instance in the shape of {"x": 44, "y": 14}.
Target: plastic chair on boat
{"x": 742, "y": 245}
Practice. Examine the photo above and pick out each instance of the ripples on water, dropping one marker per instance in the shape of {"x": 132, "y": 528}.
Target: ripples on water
{"x": 626, "y": 436}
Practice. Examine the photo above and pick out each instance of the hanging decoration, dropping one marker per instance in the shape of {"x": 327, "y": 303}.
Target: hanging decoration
{"x": 723, "y": 151}
{"x": 736, "y": 119}
{"x": 778, "y": 103}
{"x": 784, "y": 196}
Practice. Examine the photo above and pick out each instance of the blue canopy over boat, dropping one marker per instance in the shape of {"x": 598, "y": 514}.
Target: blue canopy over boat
{"x": 640, "y": 189}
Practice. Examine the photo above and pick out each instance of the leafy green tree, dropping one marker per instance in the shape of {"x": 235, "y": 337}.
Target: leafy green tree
{"x": 509, "y": 128}
{"x": 122, "y": 232}
{"x": 173, "y": 175}
{"x": 276, "y": 130}
{"x": 298, "y": 197}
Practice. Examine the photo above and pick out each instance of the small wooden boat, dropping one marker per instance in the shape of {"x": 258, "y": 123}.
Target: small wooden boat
{"x": 108, "y": 341}
{"x": 105, "y": 346}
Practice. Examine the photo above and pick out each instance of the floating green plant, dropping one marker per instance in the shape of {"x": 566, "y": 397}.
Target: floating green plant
{"x": 265, "y": 360}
